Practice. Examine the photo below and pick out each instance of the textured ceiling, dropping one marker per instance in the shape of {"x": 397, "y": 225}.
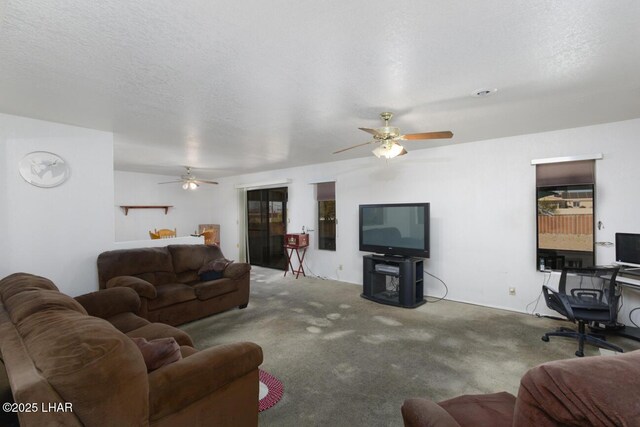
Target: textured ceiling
{"x": 242, "y": 86}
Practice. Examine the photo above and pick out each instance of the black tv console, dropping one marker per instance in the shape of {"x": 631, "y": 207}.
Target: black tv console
{"x": 402, "y": 289}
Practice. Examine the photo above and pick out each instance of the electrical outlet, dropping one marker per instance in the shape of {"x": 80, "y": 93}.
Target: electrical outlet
{"x": 512, "y": 291}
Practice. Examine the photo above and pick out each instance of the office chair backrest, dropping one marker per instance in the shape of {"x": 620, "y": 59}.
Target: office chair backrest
{"x": 591, "y": 284}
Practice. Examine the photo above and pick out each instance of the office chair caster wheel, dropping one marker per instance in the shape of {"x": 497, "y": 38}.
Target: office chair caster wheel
{"x": 579, "y": 353}
{"x": 545, "y": 338}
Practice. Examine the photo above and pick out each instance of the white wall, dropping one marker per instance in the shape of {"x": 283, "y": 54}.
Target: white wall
{"x": 190, "y": 208}
{"x": 4, "y": 204}
{"x": 56, "y": 232}
{"x": 482, "y": 207}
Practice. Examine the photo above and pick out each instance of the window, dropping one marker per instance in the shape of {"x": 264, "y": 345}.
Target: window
{"x": 565, "y": 194}
{"x": 326, "y": 197}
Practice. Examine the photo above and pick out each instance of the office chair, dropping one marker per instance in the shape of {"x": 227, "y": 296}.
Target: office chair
{"x": 585, "y": 295}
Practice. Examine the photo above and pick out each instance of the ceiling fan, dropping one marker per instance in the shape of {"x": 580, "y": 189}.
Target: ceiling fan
{"x": 189, "y": 182}
{"x": 389, "y": 136}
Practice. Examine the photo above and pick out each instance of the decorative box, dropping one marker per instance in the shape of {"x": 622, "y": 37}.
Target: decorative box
{"x": 297, "y": 240}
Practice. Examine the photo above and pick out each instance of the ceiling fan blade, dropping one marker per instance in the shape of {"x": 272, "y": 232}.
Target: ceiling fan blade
{"x": 204, "y": 181}
{"x": 428, "y": 135}
{"x": 171, "y": 182}
{"x": 402, "y": 153}
{"x": 371, "y": 131}
{"x": 353, "y": 146}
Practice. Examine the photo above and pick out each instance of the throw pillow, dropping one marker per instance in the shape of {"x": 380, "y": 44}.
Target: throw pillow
{"x": 213, "y": 270}
{"x": 159, "y": 352}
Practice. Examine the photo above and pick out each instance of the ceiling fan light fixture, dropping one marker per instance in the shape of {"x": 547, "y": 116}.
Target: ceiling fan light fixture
{"x": 185, "y": 186}
{"x": 193, "y": 185}
{"x": 389, "y": 151}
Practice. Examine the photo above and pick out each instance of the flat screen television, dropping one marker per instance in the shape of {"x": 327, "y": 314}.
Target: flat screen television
{"x": 399, "y": 229}
{"x": 628, "y": 249}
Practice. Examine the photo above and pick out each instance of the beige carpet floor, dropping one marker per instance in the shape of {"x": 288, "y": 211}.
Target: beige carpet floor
{"x": 347, "y": 361}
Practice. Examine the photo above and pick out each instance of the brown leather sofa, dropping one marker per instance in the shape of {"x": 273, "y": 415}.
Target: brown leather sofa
{"x": 66, "y": 367}
{"x": 591, "y": 391}
{"x": 166, "y": 279}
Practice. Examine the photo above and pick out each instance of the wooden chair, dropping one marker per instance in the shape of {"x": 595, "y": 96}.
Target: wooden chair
{"x": 211, "y": 233}
{"x": 163, "y": 233}
{"x": 209, "y": 237}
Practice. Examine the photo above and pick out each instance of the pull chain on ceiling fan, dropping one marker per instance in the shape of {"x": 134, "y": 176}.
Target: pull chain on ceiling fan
{"x": 189, "y": 182}
{"x": 389, "y": 136}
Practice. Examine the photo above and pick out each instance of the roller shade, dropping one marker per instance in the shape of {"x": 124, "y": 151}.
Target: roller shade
{"x": 566, "y": 173}
{"x": 325, "y": 191}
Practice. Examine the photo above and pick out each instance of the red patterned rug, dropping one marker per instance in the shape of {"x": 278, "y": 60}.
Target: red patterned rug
{"x": 271, "y": 390}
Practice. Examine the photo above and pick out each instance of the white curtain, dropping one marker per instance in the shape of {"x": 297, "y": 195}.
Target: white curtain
{"x": 243, "y": 238}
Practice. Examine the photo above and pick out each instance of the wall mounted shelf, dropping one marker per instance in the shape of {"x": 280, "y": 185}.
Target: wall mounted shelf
{"x": 127, "y": 207}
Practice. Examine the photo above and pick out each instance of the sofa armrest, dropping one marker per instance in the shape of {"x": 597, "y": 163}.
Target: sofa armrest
{"x": 109, "y": 302}
{"x": 595, "y": 390}
{"x": 425, "y": 413}
{"x": 142, "y": 287}
{"x": 236, "y": 270}
{"x": 175, "y": 386}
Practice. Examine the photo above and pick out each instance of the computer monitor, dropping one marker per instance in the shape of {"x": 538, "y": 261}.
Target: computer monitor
{"x": 628, "y": 249}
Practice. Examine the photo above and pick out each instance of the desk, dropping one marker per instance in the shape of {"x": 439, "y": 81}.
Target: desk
{"x": 289, "y": 250}
{"x": 628, "y": 282}
{"x": 625, "y": 279}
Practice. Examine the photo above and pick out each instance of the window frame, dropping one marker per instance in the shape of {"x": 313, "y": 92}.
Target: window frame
{"x": 327, "y": 228}
{"x": 561, "y": 178}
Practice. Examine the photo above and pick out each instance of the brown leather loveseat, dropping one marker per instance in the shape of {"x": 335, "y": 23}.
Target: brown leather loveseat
{"x": 66, "y": 367}
{"x": 167, "y": 281}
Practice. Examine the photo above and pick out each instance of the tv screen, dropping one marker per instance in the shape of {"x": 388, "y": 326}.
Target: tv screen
{"x": 628, "y": 249}
{"x": 400, "y": 229}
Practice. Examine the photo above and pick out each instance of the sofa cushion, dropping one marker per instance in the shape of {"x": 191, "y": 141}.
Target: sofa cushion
{"x": 493, "y": 410}
{"x": 24, "y": 304}
{"x": 188, "y": 259}
{"x": 207, "y": 276}
{"x": 151, "y": 264}
{"x": 20, "y": 282}
{"x": 207, "y": 290}
{"x": 170, "y": 294}
{"x": 192, "y": 257}
{"x": 153, "y": 331}
{"x": 88, "y": 362}
{"x": 126, "y": 322}
{"x": 159, "y": 352}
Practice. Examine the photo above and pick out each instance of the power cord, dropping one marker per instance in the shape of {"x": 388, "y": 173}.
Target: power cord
{"x": 631, "y": 320}
{"x": 306, "y": 267}
{"x": 446, "y": 291}
{"x": 545, "y": 282}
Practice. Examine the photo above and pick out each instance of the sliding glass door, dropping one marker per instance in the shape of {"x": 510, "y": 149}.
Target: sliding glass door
{"x": 267, "y": 219}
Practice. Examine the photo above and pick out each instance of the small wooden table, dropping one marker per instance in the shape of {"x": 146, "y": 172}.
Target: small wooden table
{"x": 289, "y": 250}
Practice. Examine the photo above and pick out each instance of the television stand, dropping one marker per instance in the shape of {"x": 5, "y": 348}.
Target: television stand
{"x": 393, "y": 280}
